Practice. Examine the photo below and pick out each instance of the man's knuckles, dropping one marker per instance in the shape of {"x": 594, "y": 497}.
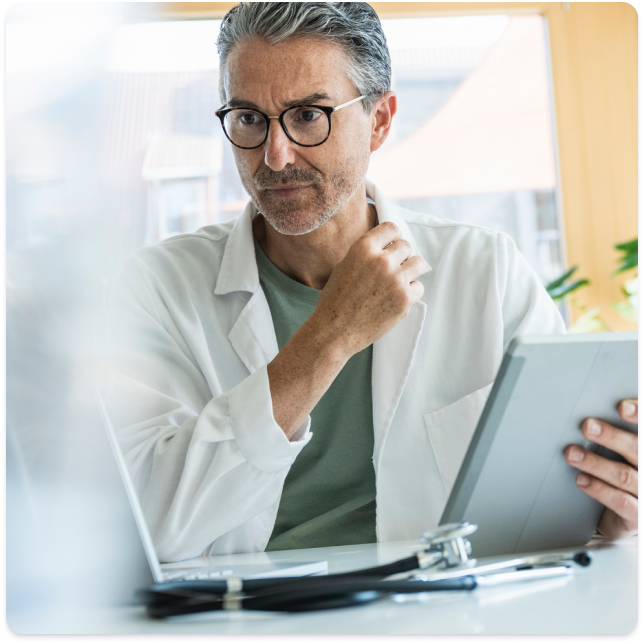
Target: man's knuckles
{"x": 624, "y": 504}
{"x": 380, "y": 237}
{"x": 619, "y": 501}
{"x": 388, "y": 230}
{"x": 405, "y": 248}
{"x": 627, "y": 478}
{"x": 617, "y": 474}
{"x": 382, "y": 263}
{"x": 415, "y": 265}
{"x": 365, "y": 246}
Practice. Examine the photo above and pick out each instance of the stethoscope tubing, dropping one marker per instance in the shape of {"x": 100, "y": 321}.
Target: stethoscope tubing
{"x": 306, "y": 593}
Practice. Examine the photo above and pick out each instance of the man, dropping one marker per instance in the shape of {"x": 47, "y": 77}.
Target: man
{"x": 301, "y": 377}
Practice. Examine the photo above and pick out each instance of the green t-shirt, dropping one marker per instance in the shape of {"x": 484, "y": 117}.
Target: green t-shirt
{"x": 329, "y": 495}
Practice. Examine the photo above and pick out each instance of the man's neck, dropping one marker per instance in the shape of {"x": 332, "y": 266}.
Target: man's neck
{"x": 310, "y": 258}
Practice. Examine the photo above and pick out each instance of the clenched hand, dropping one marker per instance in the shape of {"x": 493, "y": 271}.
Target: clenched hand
{"x": 372, "y": 289}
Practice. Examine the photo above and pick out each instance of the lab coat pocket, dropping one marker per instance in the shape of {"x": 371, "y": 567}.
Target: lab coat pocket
{"x": 450, "y": 430}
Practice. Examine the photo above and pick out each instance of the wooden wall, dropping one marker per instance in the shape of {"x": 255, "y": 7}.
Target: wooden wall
{"x": 594, "y": 66}
{"x": 593, "y": 49}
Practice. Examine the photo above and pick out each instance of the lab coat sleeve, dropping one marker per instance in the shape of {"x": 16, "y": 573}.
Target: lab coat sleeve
{"x": 527, "y": 309}
{"x": 208, "y": 469}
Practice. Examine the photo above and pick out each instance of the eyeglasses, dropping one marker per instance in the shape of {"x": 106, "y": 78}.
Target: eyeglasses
{"x": 305, "y": 125}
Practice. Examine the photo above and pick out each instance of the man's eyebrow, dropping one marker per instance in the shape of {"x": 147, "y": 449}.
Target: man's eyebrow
{"x": 305, "y": 100}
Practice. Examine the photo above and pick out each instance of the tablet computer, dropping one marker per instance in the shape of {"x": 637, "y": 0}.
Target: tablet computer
{"x": 514, "y": 482}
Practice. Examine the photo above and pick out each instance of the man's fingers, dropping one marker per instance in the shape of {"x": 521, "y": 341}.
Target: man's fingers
{"x": 414, "y": 267}
{"x": 383, "y": 234}
{"x": 416, "y": 289}
{"x": 621, "y": 503}
{"x": 398, "y": 251}
{"x": 628, "y": 410}
{"x": 619, "y": 475}
{"x": 618, "y": 440}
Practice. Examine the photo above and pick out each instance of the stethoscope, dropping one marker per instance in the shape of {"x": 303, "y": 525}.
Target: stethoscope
{"x": 444, "y": 563}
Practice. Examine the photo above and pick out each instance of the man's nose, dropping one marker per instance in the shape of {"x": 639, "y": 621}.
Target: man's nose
{"x": 278, "y": 148}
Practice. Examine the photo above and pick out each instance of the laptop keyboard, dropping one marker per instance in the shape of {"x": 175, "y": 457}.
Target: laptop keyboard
{"x": 211, "y": 574}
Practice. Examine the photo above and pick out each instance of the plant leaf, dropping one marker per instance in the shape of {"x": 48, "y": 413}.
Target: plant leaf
{"x": 628, "y": 246}
{"x": 629, "y": 255}
{"x": 561, "y": 279}
{"x": 626, "y": 265}
{"x": 564, "y": 289}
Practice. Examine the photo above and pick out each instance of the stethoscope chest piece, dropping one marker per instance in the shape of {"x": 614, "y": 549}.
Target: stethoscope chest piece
{"x": 450, "y": 541}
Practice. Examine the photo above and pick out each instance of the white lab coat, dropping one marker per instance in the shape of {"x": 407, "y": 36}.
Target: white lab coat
{"x": 191, "y": 335}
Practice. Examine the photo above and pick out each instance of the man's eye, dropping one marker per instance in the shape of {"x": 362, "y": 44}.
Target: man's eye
{"x": 248, "y": 118}
{"x": 307, "y": 115}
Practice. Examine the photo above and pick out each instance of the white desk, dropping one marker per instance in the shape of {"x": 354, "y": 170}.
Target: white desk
{"x": 599, "y": 599}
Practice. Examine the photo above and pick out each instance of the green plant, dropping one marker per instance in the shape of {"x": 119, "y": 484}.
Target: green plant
{"x": 559, "y": 288}
{"x": 629, "y": 255}
{"x": 590, "y": 319}
{"x": 627, "y": 308}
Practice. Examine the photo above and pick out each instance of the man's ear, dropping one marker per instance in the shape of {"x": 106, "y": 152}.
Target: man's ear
{"x": 382, "y": 115}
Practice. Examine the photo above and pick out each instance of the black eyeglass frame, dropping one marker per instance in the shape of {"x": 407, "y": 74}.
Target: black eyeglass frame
{"x": 328, "y": 110}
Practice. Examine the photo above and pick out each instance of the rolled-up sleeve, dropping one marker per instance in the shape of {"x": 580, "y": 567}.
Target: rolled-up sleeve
{"x": 260, "y": 439}
{"x": 208, "y": 466}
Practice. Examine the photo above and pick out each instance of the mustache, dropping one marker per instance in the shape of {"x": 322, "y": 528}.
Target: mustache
{"x": 270, "y": 179}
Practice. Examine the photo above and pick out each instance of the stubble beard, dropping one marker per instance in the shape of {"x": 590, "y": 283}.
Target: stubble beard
{"x": 324, "y": 198}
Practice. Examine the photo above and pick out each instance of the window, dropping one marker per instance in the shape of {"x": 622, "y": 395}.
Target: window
{"x": 473, "y": 139}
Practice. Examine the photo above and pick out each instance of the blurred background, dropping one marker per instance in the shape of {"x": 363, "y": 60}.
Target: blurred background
{"x": 520, "y": 117}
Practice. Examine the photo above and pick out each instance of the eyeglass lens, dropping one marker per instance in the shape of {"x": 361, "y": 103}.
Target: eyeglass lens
{"x": 306, "y": 126}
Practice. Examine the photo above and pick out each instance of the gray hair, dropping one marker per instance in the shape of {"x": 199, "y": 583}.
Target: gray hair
{"x": 354, "y": 26}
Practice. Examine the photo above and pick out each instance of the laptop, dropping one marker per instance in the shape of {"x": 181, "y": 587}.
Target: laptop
{"x": 514, "y": 482}
{"x": 201, "y": 567}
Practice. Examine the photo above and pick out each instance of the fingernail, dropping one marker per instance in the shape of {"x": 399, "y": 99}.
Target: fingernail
{"x": 583, "y": 480}
{"x": 575, "y": 454}
{"x": 629, "y": 409}
{"x": 593, "y": 427}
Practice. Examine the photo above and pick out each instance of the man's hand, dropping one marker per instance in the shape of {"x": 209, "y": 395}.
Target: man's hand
{"x": 371, "y": 290}
{"x": 612, "y": 484}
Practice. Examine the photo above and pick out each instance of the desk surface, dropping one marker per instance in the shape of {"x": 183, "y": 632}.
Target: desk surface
{"x": 600, "y": 599}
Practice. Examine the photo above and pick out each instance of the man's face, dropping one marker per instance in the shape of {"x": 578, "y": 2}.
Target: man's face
{"x": 298, "y": 189}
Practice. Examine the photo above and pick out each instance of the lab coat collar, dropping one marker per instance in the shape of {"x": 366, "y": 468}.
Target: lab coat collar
{"x": 238, "y": 270}
{"x": 388, "y": 211}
